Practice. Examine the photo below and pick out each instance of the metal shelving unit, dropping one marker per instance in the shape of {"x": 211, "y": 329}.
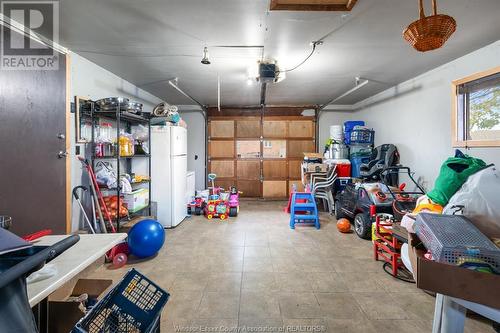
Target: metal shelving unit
{"x": 124, "y": 122}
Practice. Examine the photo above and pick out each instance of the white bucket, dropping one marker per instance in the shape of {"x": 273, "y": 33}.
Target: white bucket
{"x": 336, "y": 132}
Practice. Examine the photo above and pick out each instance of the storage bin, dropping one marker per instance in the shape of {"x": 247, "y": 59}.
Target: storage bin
{"x": 362, "y": 136}
{"x": 348, "y": 127}
{"x": 136, "y": 200}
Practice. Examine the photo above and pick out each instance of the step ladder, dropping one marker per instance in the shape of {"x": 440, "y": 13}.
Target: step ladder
{"x": 303, "y": 209}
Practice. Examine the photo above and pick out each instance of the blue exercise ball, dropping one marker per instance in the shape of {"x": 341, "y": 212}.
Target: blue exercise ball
{"x": 146, "y": 238}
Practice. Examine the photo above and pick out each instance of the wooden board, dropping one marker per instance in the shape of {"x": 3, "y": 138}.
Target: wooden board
{"x": 221, "y": 149}
{"x": 223, "y": 169}
{"x": 274, "y": 189}
{"x": 274, "y": 169}
{"x": 274, "y": 129}
{"x": 221, "y": 128}
{"x": 297, "y": 148}
{"x": 301, "y": 129}
{"x": 248, "y": 128}
{"x": 250, "y": 188}
{"x": 294, "y": 169}
{"x": 248, "y": 170}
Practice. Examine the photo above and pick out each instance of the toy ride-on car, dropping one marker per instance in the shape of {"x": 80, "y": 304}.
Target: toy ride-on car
{"x": 234, "y": 202}
{"x": 216, "y": 208}
{"x": 196, "y": 206}
{"x": 361, "y": 202}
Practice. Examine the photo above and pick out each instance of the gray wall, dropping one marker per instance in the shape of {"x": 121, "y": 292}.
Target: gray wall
{"x": 196, "y": 145}
{"x": 416, "y": 115}
{"x": 94, "y": 82}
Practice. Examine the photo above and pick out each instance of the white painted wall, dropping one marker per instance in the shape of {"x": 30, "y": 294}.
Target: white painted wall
{"x": 196, "y": 144}
{"x": 416, "y": 115}
{"x": 94, "y": 82}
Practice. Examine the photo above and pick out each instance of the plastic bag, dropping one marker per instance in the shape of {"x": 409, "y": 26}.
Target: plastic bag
{"x": 141, "y": 134}
{"x": 453, "y": 174}
{"x": 478, "y": 199}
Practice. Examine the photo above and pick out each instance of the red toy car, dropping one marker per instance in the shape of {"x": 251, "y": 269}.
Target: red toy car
{"x": 196, "y": 206}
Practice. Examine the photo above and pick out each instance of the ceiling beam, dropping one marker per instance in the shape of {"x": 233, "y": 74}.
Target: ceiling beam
{"x": 307, "y": 6}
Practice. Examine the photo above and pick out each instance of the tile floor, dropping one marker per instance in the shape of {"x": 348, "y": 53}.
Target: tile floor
{"x": 254, "y": 272}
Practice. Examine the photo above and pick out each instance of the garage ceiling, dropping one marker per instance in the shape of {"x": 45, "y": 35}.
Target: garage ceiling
{"x": 149, "y": 41}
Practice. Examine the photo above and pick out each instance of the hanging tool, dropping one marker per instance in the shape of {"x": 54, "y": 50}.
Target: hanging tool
{"x": 77, "y": 198}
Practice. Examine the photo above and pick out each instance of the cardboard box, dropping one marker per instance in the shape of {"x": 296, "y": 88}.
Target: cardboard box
{"x": 317, "y": 167}
{"x": 312, "y": 156}
{"x": 64, "y": 314}
{"x": 452, "y": 280}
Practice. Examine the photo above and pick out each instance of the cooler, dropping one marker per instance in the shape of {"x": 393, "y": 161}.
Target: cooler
{"x": 343, "y": 168}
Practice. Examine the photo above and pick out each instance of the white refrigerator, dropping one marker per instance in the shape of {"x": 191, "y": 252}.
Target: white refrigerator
{"x": 168, "y": 173}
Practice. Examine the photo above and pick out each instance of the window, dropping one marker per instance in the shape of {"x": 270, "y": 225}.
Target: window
{"x": 274, "y": 149}
{"x": 476, "y": 110}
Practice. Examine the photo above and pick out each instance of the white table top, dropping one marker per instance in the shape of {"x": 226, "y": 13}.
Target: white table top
{"x": 72, "y": 261}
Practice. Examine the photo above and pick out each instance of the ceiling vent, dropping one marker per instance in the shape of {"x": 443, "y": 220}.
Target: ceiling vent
{"x": 313, "y": 5}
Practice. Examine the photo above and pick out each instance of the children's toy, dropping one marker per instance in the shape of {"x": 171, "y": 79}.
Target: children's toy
{"x": 234, "y": 202}
{"x": 387, "y": 247}
{"x": 344, "y": 226}
{"x": 362, "y": 201}
{"x": 216, "y": 207}
{"x": 196, "y": 206}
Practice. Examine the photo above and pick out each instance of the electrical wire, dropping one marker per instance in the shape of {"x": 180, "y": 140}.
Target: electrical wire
{"x": 314, "y": 44}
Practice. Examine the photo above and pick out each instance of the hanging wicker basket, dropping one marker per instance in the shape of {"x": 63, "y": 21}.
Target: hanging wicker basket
{"x": 430, "y": 32}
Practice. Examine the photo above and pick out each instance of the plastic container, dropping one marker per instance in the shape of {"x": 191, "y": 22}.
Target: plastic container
{"x": 126, "y": 143}
{"x": 134, "y": 305}
{"x": 336, "y": 133}
{"x": 453, "y": 239}
{"x": 362, "y": 136}
{"x": 105, "y": 132}
{"x": 356, "y": 161}
{"x": 348, "y": 127}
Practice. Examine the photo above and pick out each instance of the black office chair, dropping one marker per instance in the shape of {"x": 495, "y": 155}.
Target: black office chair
{"x": 383, "y": 156}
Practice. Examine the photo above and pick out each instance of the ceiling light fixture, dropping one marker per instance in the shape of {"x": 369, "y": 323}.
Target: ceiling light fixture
{"x": 205, "y": 60}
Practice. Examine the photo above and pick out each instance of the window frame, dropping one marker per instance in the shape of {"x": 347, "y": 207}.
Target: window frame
{"x": 459, "y": 116}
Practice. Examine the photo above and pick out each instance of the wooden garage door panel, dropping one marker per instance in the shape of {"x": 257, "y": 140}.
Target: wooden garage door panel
{"x": 298, "y": 184}
{"x": 223, "y": 169}
{"x": 248, "y": 128}
{"x": 274, "y": 189}
{"x": 294, "y": 169}
{"x": 250, "y": 188}
{"x": 274, "y": 129}
{"x": 221, "y": 149}
{"x": 301, "y": 129}
{"x": 275, "y": 169}
{"x": 248, "y": 170}
{"x": 297, "y": 148}
{"x": 221, "y": 128}
{"x": 225, "y": 183}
